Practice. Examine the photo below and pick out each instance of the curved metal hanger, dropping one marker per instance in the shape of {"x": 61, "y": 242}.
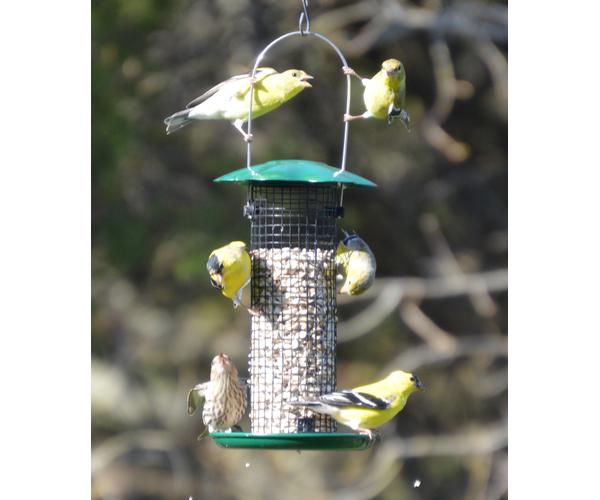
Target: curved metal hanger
{"x": 304, "y": 25}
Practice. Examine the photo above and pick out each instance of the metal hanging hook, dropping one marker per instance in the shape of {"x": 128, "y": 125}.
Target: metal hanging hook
{"x": 304, "y": 21}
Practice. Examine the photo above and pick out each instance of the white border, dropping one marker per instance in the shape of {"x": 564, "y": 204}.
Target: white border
{"x": 45, "y": 248}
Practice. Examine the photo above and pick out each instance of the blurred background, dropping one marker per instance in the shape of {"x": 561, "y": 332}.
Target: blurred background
{"x": 437, "y": 224}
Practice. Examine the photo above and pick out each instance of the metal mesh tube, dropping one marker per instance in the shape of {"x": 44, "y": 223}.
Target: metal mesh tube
{"x": 293, "y": 338}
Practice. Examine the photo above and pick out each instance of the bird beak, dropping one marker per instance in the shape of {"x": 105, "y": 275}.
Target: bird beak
{"x": 418, "y": 383}
{"x": 390, "y": 72}
{"x": 216, "y": 280}
{"x": 305, "y": 79}
{"x": 223, "y": 359}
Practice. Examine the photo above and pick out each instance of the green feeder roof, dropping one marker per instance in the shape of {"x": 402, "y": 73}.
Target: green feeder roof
{"x": 312, "y": 172}
{"x": 293, "y": 441}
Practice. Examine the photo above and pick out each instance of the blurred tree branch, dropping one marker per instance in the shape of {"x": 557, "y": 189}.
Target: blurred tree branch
{"x": 390, "y": 292}
{"x": 424, "y": 327}
{"x": 469, "y": 20}
{"x": 478, "y": 441}
{"x": 448, "y": 90}
{"x": 416, "y": 357}
{"x": 448, "y": 265}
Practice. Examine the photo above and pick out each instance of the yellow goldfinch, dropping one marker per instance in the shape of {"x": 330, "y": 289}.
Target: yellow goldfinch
{"x": 229, "y": 100}
{"x": 229, "y": 268}
{"x": 369, "y": 406}
{"x": 384, "y": 93}
{"x": 224, "y": 396}
{"x": 356, "y": 264}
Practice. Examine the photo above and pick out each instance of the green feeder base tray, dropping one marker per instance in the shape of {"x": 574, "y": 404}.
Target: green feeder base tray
{"x": 293, "y": 441}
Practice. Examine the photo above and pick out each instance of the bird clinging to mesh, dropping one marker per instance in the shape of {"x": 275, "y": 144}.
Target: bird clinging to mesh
{"x": 224, "y": 395}
{"x": 230, "y": 99}
{"x": 355, "y": 264}
{"x": 369, "y": 406}
{"x": 384, "y": 93}
{"x": 229, "y": 268}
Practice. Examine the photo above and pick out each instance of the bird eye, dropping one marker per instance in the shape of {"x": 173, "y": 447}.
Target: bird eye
{"x": 294, "y": 74}
{"x": 412, "y": 379}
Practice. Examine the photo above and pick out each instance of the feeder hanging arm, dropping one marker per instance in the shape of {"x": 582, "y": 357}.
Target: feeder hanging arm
{"x": 302, "y": 32}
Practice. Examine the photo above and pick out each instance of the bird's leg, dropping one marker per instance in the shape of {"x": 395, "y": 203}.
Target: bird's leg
{"x": 237, "y": 301}
{"x": 351, "y": 72}
{"x": 369, "y": 432}
{"x": 238, "y": 125}
{"x": 349, "y": 118}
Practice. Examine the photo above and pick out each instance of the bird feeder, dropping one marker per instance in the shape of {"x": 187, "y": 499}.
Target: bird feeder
{"x": 293, "y": 207}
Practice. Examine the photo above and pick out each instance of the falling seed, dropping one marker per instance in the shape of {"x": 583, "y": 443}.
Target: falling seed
{"x": 417, "y": 483}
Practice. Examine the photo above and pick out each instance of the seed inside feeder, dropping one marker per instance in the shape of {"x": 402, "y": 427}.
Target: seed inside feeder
{"x": 293, "y": 337}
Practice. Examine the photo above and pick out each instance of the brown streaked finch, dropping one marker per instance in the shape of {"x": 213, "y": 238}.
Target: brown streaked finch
{"x": 224, "y": 396}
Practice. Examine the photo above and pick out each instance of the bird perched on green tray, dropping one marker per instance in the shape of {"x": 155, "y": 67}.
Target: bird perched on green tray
{"x": 356, "y": 264}
{"x": 229, "y": 100}
{"x": 229, "y": 268}
{"x": 384, "y": 93}
{"x": 369, "y": 406}
{"x": 225, "y": 396}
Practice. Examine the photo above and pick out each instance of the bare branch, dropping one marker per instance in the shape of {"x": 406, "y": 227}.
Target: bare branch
{"x": 370, "y": 318}
{"x": 416, "y": 357}
{"x": 110, "y": 451}
{"x": 447, "y": 91}
{"x": 475, "y": 442}
{"x": 499, "y": 482}
{"x": 466, "y": 20}
{"x": 480, "y": 299}
{"x": 480, "y": 468}
{"x": 452, "y": 286}
{"x": 389, "y": 292}
{"x": 424, "y": 327}
{"x": 441, "y": 287}
{"x": 497, "y": 65}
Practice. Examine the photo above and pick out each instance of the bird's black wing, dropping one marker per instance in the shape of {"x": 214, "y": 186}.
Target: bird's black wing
{"x": 356, "y": 399}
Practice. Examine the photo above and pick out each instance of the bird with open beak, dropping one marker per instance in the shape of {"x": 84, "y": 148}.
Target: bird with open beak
{"x": 230, "y": 99}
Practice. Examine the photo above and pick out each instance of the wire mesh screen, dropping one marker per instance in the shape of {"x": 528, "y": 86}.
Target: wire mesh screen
{"x": 293, "y": 243}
